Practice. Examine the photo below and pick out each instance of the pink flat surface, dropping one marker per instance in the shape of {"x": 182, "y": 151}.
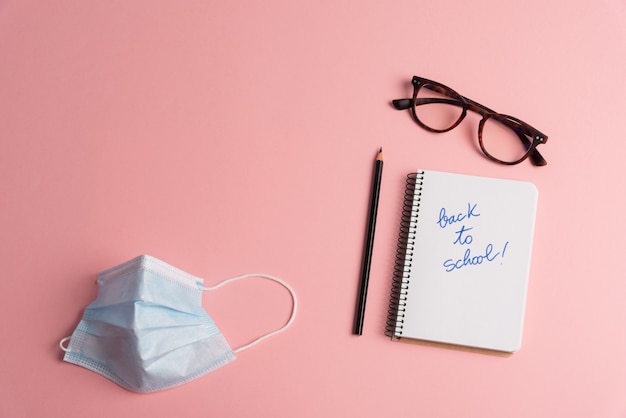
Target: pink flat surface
{"x": 235, "y": 137}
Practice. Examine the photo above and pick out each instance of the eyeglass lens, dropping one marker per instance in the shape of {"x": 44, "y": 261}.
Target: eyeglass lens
{"x": 437, "y": 110}
{"x": 501, "y": 141}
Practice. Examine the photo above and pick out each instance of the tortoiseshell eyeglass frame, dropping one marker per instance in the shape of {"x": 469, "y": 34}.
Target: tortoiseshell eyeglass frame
{"x": 529, "y": 136}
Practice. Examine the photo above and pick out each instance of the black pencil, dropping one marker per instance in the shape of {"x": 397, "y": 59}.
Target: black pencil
{"x": 369, "y": 244}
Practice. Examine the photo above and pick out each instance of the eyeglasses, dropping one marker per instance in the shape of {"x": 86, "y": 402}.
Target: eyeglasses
{"x": 502, "y": 138}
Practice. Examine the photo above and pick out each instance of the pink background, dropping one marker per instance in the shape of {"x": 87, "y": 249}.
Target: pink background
{"x": 236, "y": 137}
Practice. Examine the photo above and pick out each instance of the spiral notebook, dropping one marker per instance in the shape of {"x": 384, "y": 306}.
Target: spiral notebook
{"x": 463, "y": 261}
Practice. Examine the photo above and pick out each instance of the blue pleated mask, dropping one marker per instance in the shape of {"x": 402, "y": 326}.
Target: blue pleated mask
{"x": 147, "y": 330}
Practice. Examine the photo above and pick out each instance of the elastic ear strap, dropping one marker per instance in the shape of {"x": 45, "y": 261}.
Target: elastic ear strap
{"x": 277, "y": 280}
{"x": 62, "y": 344}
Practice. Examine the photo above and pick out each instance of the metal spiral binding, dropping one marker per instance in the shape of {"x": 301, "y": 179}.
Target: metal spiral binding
{"x": 404, "y": 254}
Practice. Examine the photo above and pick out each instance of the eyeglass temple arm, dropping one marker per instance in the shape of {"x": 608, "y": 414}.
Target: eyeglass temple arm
{"x": 403, "y": 104}
{"x": 535, "y": 156}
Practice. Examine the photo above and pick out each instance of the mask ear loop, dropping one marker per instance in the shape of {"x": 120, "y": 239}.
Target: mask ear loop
{"x": 62, "y": 344}
{"x": 272, "y": 333}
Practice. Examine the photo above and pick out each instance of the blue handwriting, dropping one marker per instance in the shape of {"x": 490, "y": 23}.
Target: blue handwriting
{"x": 445, "y": 219}
{"x": 488, "y": 256}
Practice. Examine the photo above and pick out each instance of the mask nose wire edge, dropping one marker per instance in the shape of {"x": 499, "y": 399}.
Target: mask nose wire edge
{"x": 272, "y": 333}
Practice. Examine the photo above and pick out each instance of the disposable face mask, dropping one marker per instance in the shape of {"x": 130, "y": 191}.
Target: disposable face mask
{"x": 147, "y": 330}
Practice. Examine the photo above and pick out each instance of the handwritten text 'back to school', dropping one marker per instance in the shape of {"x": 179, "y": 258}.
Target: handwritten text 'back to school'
{"x": 462, "y": 236}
